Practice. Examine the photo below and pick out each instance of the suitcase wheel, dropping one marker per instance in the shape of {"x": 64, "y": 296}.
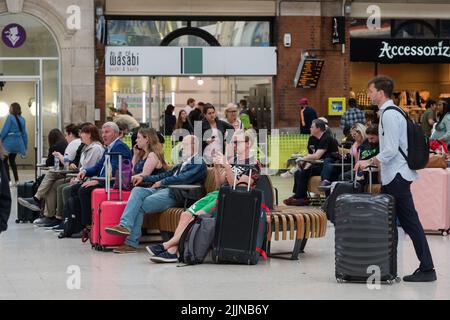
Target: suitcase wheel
{"x": 17, "y": 221}
{"x": 444, "y": 233}
{"x": 398, "y": 280}
{"x": 340, "y": 280}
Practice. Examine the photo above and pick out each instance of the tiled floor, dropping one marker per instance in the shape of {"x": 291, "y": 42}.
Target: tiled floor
{"x": 34, "y": 265}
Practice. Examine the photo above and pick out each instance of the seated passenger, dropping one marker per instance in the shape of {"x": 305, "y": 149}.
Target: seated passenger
{"x": 148, "y": 154}
{"x": 36, "y": 203}
{"x": 358, "y": 132}
{"x": 159, "y": 197}
{"x": 225, "y": 172}
{"x": 321, "y": 146}
{"x": 90, "y": 154}
{"x": 442, "y": 127}
{"x": 110, "y": 135}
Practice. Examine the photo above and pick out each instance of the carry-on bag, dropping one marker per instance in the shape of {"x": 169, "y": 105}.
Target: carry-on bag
{"x": 365, "y": 238}
{"x": 107, "y": 209}
{"x": 241, "y": 226}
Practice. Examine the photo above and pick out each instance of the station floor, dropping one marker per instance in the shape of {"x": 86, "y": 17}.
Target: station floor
{"x": 34, "y": 264}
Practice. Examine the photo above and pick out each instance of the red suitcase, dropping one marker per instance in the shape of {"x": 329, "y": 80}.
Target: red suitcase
{"x": 107, "y": 208}
{"x": 431, "y": 194}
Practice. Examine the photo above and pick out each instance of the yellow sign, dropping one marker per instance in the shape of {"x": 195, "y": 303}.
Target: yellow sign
{"x": 336, "y": 106}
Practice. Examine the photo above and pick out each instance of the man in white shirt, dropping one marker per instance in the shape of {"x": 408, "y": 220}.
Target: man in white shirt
{"x": 396, "y": 176}
{"x": 189, "y": 106}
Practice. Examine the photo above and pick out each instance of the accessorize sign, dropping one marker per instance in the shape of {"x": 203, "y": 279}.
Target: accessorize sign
{"x": 14, "y": 35}
{"x": 173, "y": 61}
{"x": 400, "y": 50}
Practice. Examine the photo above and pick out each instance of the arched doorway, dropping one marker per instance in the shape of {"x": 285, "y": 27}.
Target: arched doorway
{"x": 30, "y": 72}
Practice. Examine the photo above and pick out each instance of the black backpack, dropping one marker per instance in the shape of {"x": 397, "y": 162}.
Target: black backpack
{"x": 416, "y": 137}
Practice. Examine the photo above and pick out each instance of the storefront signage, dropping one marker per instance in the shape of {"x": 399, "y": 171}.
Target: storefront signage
{"x": 400, "y": 50}
{"x": 308, "y": 73}
{"x": 14, "y": 36}
{"x": 177, "y": 61}
{"x": 338, "y": 30}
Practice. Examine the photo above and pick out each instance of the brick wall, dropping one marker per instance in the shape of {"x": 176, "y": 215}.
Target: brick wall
{"x": 308, "y": 33}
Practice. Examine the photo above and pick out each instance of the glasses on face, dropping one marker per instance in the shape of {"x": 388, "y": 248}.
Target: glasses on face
{"x": 236, "y": 142}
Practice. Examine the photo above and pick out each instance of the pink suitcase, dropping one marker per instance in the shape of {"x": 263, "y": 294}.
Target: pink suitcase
{"x": 431, "y": 194}
{"x": 107, "y": 208}
{"x": 106, "y": 214}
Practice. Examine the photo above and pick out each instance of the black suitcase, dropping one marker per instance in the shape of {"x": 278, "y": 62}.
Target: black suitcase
{"x": 24, "y": 215}
{"x": 365, "y": 236}
{"x": 241, "y": 226}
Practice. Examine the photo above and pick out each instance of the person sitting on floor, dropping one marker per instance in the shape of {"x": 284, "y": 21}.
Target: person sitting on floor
{"x": 321, "y": 146}
{"x": 225, "y": 172}
{"x": 159, "y": 197}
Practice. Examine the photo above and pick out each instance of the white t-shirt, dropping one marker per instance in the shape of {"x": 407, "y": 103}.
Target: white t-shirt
{"x": 188, "y": 109}
{"x": 71, "y": 150}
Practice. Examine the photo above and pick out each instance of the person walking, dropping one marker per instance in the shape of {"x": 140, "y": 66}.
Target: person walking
{"x": 15, "y": 138}
{"x": 396, "y": 176}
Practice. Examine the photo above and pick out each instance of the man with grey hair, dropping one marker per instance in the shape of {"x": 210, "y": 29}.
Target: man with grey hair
{"x": 159, "y": 197}
{"x": 110, "y": 136}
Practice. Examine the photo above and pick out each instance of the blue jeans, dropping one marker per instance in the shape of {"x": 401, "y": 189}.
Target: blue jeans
{"x": 144, "y": 200}
{"x": 328, "y": 169}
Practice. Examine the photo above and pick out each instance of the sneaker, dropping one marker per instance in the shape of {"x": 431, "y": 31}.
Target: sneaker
{"x": 155, "y": 249}
{"x": 117, "y": 231}
{"x": 49, "y": 226}
{"x": 39, "y": 220}
{"x": 59, "y": 227}
{"x": 325, "y": 183}
{"x": 125, "y": 249}
{"x": 165, "y": 257}
{"x": 421, "y": 276}
{"x": 286, "y": 175}
{"x": 44, "y": 221}
{"x": 30, "y": 203}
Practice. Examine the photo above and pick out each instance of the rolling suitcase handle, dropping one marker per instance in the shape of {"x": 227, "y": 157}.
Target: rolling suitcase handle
{"x": 248, "y": 184}
{"x": 108, "y": 170}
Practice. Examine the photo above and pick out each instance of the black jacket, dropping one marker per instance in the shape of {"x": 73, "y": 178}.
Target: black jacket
{"x": 5, "y": 198}
{"x": 60, "y": 147}
{"x": 222, "y": 126}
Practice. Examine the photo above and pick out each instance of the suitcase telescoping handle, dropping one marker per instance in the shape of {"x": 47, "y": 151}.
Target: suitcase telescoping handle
{"x": 248, "y": 184}
{"x": 108, "y": 173}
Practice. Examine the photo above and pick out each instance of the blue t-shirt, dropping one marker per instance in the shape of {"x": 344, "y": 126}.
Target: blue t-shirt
{"x": 310, "y": 115}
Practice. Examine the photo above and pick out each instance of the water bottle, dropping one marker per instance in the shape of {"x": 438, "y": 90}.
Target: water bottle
{"x": 66, "y": 163}
{"x": 56, "y": 165}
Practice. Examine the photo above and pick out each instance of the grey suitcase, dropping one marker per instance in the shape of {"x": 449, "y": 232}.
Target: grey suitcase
{"x": 365, "y": 236}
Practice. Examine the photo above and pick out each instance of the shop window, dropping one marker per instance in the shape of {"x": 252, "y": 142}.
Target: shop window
{"x": 151, "y": 33}
{"x": 425, "y": 29}
{"x": 445, "y": 29}
{"x": 140, "y": 32}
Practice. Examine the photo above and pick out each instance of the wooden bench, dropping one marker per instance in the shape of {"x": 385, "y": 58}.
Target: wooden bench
{"x": 302, "y": 223}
